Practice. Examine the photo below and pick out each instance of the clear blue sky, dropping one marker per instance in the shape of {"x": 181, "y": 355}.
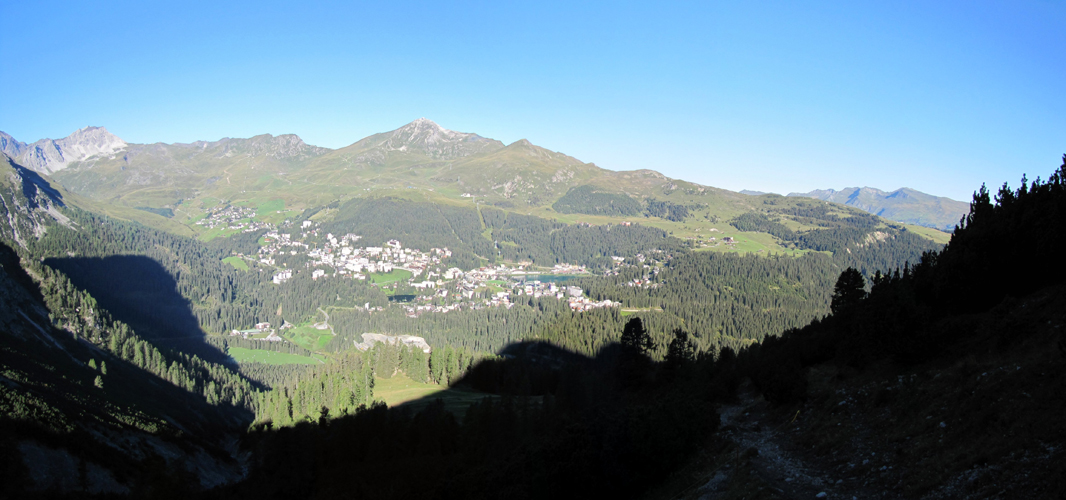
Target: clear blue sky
{"x": 788, "y": 96}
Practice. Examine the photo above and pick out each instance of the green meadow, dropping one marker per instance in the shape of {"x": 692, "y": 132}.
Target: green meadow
{"x": 391, "y": 277}
{"x": 243, "y": 355}
{"x": 309, "y": 337}
{"x": 401, "y": 390}
{"x": 236, "y": 262}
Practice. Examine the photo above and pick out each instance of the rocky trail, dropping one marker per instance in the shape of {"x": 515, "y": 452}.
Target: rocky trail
{"x": 766, "y": 462}
{"x": 980, "y": 427}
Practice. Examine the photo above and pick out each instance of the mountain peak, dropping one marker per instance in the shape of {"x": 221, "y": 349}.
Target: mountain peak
{"x": 424, "y": 136}
{"x": 49, "y": 156}
{"x": 424, "y": 122}
{"x": 10, "y": 146}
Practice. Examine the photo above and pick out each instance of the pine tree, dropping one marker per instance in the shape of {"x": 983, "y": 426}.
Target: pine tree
{"x": 849, "y": 290}
{"x": 635, "y": 338}
{"x": 681, "y": 350}
{"x": 634, "y": 362}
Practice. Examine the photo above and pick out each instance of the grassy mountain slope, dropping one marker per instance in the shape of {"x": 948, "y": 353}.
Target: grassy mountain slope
{"x": 157, "y": 175}
{"x": 521, "y": 170}
{"x": 420, "y": 161}
{"x": 29, "y": 196}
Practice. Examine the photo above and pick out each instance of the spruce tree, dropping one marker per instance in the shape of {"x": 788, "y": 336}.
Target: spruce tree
{"x": 849, "y": 290}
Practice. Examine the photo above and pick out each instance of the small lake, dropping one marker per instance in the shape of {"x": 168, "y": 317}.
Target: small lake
{"x": 547, "y": 278}
{"x": 401, "y": 298}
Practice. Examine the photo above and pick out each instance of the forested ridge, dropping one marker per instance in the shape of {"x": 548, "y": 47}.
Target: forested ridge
{"x": 589, "y": 200}
{"x": 727, "y": 299}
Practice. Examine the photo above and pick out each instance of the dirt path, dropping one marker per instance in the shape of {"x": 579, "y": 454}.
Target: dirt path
{"x": 768, "y": 463}
{"x": 326, "y": 322}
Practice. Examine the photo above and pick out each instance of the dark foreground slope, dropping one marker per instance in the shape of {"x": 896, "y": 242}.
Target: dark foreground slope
{"x": 83, "y": 411}
{"x": 946, "y": 380}
{"x": 561, "y": 425}
{"x": 981, "y": 420}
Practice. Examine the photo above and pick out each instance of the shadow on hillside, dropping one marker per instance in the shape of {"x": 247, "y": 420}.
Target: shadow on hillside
{"x": 535, "y": 368}
{"x": 524, "y": 369}
{"x": 33, "y": 184}
{"x": 551, "y": 423}
{"x": 138, "y": 291}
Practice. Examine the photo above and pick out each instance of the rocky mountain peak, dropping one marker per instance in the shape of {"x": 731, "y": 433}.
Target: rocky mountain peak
{"x": 11, "y": 147}
{"x": 425, "y": 123}
{"x": 426, "y": 137}
{"x": 48, "y": 156}
{"x": 282, "y": 147}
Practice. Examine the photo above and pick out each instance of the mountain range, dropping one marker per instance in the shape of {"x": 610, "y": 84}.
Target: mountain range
{"x": 419, "y": 160}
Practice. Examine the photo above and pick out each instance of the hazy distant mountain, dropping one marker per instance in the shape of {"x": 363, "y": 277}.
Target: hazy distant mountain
{"x": 49, "y": 156}
{"x": 752, "y": 193}
{"x": 903, "y": 205}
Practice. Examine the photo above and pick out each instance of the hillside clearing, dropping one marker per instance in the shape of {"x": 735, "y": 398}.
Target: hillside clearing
{"x": 401, "y": 390}
{"x": 244, "y": 355}
{"x": 236, "y": 262}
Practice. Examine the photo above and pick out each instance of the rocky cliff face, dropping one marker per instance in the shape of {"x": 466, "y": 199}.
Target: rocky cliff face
{"x": 11, "y": 147}
{"x": 28, "y": 203}
{"x": 48, "y": 156}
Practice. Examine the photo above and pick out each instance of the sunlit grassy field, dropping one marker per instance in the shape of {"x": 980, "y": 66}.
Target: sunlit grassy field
{"x": 401, "y": 390}
{"x": 236, "y": 262}
{"x": 243, "y": 355}
{"x": 391, "y": 276}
